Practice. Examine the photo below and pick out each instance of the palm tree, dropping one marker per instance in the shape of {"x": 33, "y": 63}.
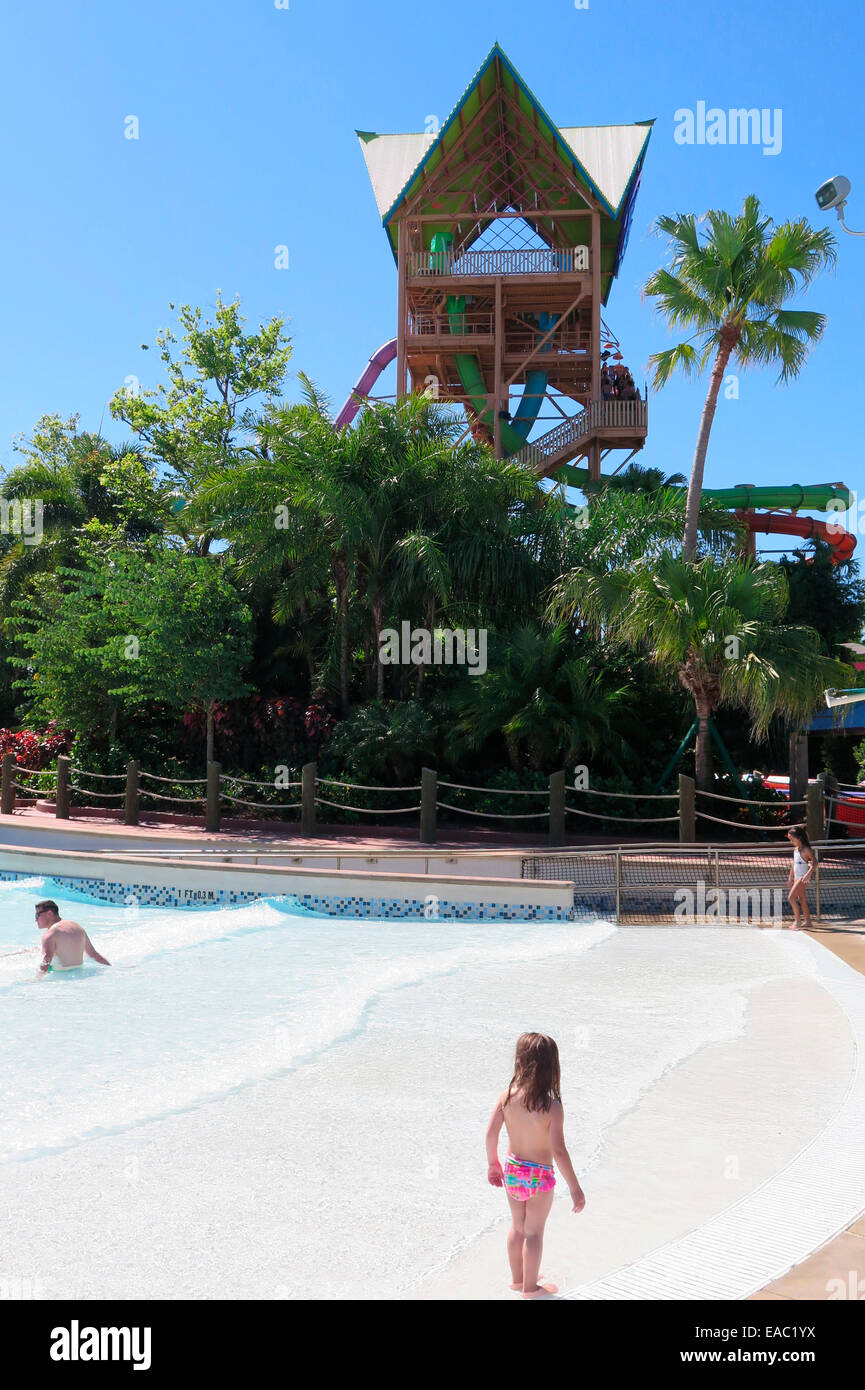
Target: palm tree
{"x": 548, "y": 701}
{"x": 391, "y": 519}
{"x": 85, "y": 486}
{"x": 716, "y": 626}
{"x": 730, "y": 287}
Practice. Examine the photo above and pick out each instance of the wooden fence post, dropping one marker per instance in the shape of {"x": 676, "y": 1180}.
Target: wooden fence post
{"x": 557, "y": 808}
{"x": 429, "y": 782}
{"x": 132, "y": 794}
{"x": 214, "y": 782}
{"x": 307, "y": 797}
{"x": 62, "y": 799}
{"x": 815, "y": 818}
{"x": 7, "y": 795}
{"x": 687, "y": 809}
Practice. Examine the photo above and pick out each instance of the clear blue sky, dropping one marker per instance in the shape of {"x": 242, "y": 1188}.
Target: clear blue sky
{"x": 247, "y": 117}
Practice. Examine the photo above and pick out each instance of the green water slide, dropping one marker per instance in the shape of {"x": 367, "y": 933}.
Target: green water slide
{"x": 515, "y": 432}
{"x": 815, "y": 497}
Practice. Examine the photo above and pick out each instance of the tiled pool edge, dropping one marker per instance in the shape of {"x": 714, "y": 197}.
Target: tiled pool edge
{"x": 431, "y": 907}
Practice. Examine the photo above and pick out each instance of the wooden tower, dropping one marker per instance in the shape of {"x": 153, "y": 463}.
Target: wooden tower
{"x": 508, "y": 232}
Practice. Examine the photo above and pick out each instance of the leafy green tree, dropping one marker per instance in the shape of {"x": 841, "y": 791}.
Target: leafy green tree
{"x": 391, "y": 519}
{"x": 219, "y": 379}
{"x": 830, "y": 598}
{"x": 132, "y": 630}
{"x": 84, "y": 488}
{"x": 717, "y": 627}
{"x": 730, "y": 286}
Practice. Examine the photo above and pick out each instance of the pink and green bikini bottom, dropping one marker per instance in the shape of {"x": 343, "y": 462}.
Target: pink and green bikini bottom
{"x": 524, "y": 1180}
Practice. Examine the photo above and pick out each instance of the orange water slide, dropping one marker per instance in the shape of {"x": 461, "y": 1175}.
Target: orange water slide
{"x": 841, "y": 543}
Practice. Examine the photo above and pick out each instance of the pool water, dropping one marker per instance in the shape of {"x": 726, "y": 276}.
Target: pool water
{"x": 197, "y": 1003}
{"x": 260, "y": 1101}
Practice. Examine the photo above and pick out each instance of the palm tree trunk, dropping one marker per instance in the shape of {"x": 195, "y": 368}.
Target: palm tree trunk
{"x": 430, "y": 620}
{"x": 343, "y": 663}
{"x": 210, "y": 734}
{"x": 379, "y": 668}
{"x": 340, "y": 575}
{"x": 703, "y": 758}
{"x": 729, "y": 338}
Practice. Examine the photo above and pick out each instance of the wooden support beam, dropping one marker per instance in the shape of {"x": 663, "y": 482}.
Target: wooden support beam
{"x": 501, "y": 216}
{"x": 536, "y": 349}
{"x": 401, "y": 309}
{"x": 596, "y": 306}
{"x": 498, "y": 388}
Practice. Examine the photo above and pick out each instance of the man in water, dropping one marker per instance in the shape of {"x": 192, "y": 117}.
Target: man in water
{"x": 64, "y": 942}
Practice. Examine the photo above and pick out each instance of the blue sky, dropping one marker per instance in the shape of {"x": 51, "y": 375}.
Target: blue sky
{"x": 247, "y": 116}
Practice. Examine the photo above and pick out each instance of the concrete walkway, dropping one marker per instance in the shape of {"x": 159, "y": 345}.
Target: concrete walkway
{"x": 837, "y": 1270}
{"x": 155, "y": 828}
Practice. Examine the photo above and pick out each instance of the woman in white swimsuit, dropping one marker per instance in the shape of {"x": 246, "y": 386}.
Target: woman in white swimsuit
{"x": 800, "y": 872}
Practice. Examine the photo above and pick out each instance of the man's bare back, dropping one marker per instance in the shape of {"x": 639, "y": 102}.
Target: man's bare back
{"x": 64, "y": 942}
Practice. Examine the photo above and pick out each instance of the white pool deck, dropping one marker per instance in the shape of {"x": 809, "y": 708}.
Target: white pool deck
{"x": 736, "y": 1166}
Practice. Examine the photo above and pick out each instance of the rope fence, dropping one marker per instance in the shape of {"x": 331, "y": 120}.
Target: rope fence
{"x": 220, "y": 792}
{"x": 630, "y": 820}
{"x": 492, "y": 815}
{"x": 748, "y": 801}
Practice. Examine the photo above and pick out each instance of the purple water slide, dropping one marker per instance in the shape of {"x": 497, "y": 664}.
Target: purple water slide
{"x": 380, "y": 359}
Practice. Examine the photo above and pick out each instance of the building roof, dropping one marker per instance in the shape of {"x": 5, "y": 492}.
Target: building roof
{"x": 843, "y": 719}
{"x": 601, "y": 162}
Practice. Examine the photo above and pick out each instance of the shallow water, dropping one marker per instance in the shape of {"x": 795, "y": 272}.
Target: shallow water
{"x": 197, "y": 1004}
{"x": 302, "y": 1100}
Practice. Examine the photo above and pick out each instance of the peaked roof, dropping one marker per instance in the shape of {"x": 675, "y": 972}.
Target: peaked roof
{"x": 511, "y": 152}
{"x": 390, "y": 159}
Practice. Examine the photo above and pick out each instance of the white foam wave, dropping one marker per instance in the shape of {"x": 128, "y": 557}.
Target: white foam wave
{"x": 325, "y": 1015}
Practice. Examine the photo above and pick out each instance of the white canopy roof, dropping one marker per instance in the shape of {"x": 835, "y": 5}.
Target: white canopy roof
{"x": 390, "y": 162}
{"x": 608, "y": 154}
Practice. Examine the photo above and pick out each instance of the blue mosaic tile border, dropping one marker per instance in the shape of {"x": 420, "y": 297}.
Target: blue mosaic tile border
{"x": 331, "y": 905}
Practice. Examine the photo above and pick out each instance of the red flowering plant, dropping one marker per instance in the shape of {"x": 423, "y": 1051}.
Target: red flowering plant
{"x": 36, "y": 749}
{"x": 262, "y": 731}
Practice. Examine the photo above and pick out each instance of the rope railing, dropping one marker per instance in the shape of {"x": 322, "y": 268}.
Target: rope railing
{"x": 218, "y": 790}
{"x": 359, "y": 786}
{"x": 492, "y": 815}
{"x": 175, "y": 781}
{"x": 740, "y": 825}
{"x": 631, "y": 796}
{"x": 631, "y": 820}
{"x": 248, "y": 782}
{"x": 495, "y": 791}
{"x": 103, "y": 796}
{"x": 177, "y": 800}
{"x": 106, "y": 776}
{"x": 263, "y": 805}
{"x": 367, "y": 810}
{"x": 747, "y": 801}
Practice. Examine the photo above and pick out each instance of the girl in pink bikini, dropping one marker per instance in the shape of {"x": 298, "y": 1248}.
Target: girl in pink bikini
{"x": 532, "y": 1112}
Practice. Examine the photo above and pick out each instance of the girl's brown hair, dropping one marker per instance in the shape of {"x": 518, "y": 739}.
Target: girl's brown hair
{"x": 801, "y": 834}
{"x": 536, "y": 1072}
